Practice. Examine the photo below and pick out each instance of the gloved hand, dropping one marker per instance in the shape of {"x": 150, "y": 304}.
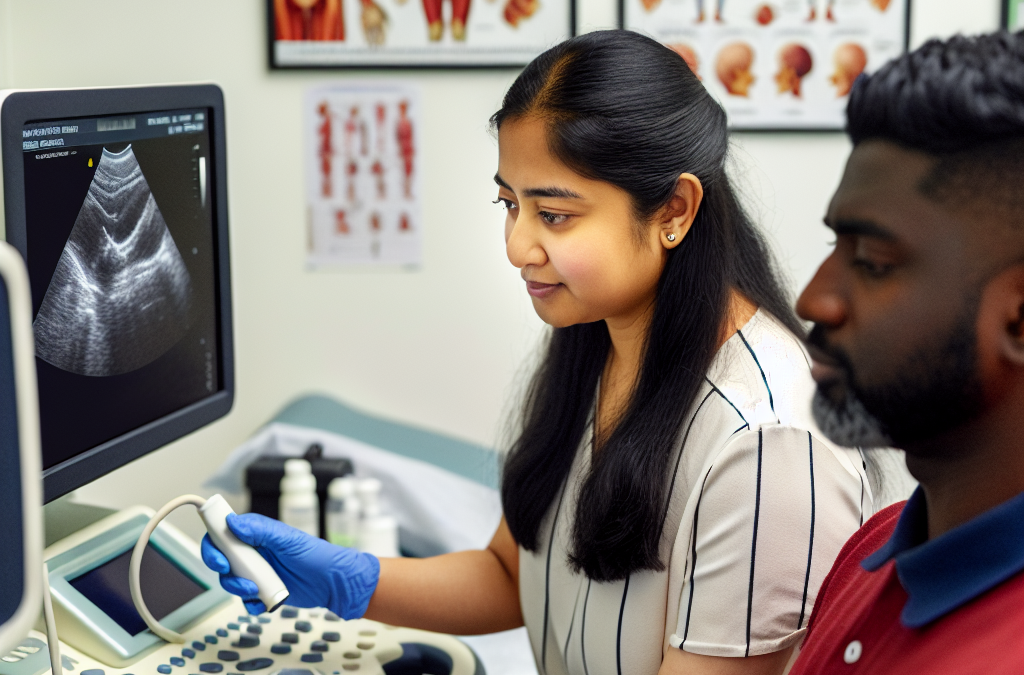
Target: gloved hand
{"x": 317, "y": 574}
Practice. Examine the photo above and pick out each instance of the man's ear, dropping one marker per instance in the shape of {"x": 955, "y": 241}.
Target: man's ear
{"x": 1013, "y": 334}
{"x": 676, "y": 218}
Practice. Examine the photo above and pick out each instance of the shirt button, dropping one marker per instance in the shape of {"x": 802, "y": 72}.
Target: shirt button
{"x": 853, "y": 652}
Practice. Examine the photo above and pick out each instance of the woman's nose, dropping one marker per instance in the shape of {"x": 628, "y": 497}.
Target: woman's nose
{"x": 522, "y": 246}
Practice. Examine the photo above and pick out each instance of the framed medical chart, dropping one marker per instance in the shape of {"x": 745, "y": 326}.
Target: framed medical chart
{"x": 1013, "y": 15}
{"x": 777, "y": 64}
{"x": 415, "y": 33}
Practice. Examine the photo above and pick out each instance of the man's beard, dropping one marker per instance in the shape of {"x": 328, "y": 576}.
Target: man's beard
{"x": 934, "y": 390}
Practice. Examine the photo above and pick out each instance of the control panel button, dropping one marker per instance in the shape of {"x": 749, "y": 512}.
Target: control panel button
{"x": 280, "y": 648}
{"x": 245, "y": 619}
{"x": 163, "y": 669}
{"x": 331, "y": 636}
{"x": 199, "y": 646}
{"x": 188, "y": 653}
{"x": 303, "y": 626}
{"x": 312, "y": 658}
{"x": 263, "y": 619}
{"x": 318, "y": 646}
{"x": 222, "y": 633}
{"x": 254, "y": 629}
{"x": 331, "y": 616}
{"x": 254, "y": 664}
{"x": 210, "y": 640}
{"x": 289, "y": 612}
{"x": 227, "y": 655}
{"x": 175, "y": 661}
{"x": 210, "y": 667}
{"x": 246, "y": 642}
{"x": 233, "y": 626}
{"x": 291, "y": 638}
{"x": 93, "y": 671}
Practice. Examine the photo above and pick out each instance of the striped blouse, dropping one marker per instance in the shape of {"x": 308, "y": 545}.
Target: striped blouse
{"x": 760, "y": 505}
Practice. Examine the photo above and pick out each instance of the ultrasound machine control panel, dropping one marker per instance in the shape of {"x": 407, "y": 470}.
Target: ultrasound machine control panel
{"x": 102, "y": 634}
{"x": 116, "y": 200}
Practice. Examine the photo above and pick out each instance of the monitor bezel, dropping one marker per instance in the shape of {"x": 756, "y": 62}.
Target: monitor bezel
{"x": 18, "y": 108}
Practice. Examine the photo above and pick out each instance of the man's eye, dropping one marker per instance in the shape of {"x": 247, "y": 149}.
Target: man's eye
{"x": 507, "y": 203}
{"x": 873, "y": 269}
{"x": 552, "y": 218}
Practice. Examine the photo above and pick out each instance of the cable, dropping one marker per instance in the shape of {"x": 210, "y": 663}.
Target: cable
{"x": 52, "y": 643}
{"x": 136, "y": 566}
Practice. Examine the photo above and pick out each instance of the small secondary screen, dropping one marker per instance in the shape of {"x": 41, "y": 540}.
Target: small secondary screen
{"x": 165, "y": 588}
{"x": 120, "y": 252}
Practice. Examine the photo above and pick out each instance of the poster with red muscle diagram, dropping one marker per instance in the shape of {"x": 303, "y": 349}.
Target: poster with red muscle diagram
{"x": 777, "y": 64}
{"x": 362, "y": 175}
{"x": 434, "y": 33}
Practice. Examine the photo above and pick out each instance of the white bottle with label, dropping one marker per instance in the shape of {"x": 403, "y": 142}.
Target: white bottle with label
{"x": 378, "y": 533}
{"x": 299, "y": 505}
{"x": 343, "y": 512}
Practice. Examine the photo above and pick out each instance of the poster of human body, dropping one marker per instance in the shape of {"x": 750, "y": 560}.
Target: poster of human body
{"x": 777, "y": 64}
{"x": 369, "y": 33}
{"x": 362, "y": 168}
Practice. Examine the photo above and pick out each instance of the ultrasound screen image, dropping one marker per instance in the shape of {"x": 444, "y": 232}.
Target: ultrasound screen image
{"x": 120, "y": 296}
{"x": 120, "y": 219}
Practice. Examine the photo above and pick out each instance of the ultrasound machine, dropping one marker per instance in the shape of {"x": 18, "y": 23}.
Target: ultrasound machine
{"x": 116, "y": 201}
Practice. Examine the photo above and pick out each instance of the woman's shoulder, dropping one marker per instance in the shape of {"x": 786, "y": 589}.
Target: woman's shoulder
{"x": 764, "y": 371}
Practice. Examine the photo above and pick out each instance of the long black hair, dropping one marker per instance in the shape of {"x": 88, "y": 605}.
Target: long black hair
{"x": 624, "y": 109}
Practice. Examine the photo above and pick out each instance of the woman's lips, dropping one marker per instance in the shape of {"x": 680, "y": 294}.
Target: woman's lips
{"x": 539, "y": 290}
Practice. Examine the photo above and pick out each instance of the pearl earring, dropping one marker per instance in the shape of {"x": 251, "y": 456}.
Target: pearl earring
{"x": 670, "y": 237}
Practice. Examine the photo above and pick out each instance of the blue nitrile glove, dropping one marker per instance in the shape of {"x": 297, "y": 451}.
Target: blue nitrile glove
{"x": 317, "y": 574}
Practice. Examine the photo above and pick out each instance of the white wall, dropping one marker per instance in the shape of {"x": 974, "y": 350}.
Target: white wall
{"x": 439, "y": 347}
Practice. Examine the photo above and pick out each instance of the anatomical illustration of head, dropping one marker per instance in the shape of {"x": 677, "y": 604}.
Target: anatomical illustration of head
{"x": 733, "y": 68}
{"x": 850, "y": 60}
{"x": 686, "y": 51}
{"x": 794, "y": 63}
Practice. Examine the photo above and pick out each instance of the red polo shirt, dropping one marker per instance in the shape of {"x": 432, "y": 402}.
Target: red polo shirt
{"x": 896, "y": 602}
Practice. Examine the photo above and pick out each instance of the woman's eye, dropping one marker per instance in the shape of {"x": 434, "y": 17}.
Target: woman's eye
{"x": 507, "y": 203}
{"x": 553, "y": 218}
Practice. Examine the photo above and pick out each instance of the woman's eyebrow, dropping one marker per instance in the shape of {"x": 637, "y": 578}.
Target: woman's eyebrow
{"x": 554, "y": 192}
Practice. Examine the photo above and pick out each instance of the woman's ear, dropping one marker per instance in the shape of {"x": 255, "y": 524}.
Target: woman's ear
{"x": 677, "y": 216}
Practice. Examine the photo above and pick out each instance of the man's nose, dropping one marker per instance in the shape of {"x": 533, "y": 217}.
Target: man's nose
{"x": 823, "y": 300}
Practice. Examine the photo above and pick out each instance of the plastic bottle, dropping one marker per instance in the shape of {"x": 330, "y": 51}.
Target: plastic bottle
{"x": 378, "y": 533}
{"x": 343, "y": 512}
{"x": 299, "y": 506}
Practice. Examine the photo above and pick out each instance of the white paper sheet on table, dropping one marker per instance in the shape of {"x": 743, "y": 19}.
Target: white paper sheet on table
{"x": 437, "y": 510}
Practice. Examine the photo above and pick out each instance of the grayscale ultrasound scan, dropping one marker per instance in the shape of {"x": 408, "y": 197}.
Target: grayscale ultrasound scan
{"x": 121, "y": 293}
{"x": 122, "y": 261}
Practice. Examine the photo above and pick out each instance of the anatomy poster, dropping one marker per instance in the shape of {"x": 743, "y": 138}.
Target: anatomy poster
{"x": 777, "y": 64}
{"x": 369, "y": 33}
{"x": 1013, "y": 15}
{"x": 363, "y": 175}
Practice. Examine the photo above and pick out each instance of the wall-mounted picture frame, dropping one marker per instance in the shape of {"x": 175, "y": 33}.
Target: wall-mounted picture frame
{"x": 304, "y": 34}
{"x": 1013, "y": 15}
{"x": 777, "y": 65}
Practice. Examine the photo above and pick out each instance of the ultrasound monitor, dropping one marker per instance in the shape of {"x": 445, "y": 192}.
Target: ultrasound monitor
{"x": 116, "y": 200}
{"x": 20, "y": 525}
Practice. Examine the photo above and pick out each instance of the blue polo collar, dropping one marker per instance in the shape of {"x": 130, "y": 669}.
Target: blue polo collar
{"x": 956, "y": 567}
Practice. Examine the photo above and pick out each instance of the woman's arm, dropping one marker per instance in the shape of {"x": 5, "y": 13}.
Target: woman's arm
{"x": 466, "y": 593}
{"x": 678, "y": 662}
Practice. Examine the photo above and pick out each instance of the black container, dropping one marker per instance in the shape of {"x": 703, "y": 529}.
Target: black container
{"x": 263, "y": 480}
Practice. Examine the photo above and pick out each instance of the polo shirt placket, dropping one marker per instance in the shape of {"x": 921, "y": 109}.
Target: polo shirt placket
{"x": 953, "y": 604}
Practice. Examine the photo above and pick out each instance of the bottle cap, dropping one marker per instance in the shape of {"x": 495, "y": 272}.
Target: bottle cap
{"x": 298, "y": 477}
{"x": 341, "y": 488}
{"x": 297, "y": 467}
